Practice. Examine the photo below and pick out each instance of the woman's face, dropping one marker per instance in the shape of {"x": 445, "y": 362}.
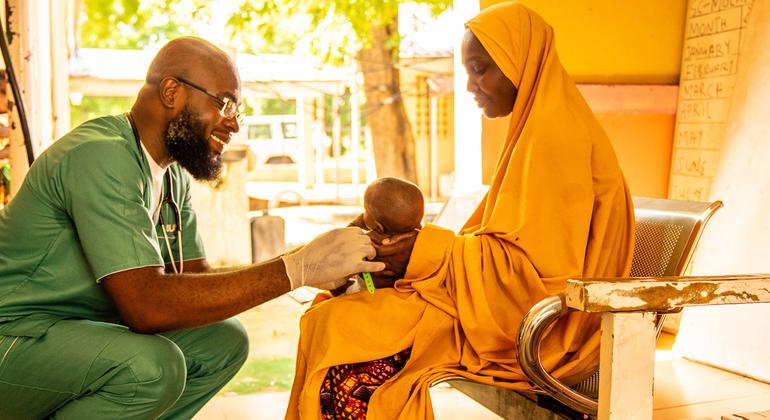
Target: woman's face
{"x": 494, "y": 93}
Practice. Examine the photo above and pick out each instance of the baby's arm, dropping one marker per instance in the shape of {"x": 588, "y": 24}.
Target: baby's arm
{"x": 359, "y": 222}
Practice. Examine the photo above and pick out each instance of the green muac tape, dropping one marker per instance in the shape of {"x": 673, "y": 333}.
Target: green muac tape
{"x": 368, "y": 281}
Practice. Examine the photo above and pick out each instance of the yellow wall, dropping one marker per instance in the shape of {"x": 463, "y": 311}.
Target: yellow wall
{"x": 642, "y": 143}
{"x": 616, "y": 41}
{"x": 639, "y": 122}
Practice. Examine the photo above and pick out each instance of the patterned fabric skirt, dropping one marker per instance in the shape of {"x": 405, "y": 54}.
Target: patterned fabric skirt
{"x": 346, "y": 389}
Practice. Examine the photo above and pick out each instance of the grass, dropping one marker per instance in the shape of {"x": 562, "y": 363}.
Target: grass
{"x": 262, "y": 375}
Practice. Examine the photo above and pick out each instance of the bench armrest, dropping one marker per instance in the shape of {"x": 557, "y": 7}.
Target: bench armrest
{"x": 618, "y": 295}
{"x": 663, "y": 294}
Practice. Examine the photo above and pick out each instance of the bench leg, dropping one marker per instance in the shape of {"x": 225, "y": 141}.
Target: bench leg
{"x": 626, "y": 365}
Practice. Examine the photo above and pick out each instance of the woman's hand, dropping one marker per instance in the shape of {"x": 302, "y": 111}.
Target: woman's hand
{"x": 394, "y": 251}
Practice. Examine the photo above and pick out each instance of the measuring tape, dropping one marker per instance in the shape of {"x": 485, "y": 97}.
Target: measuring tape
{"x": 368, "y": 281}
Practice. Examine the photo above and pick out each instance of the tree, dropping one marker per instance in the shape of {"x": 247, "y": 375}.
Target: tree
{"x": 137, "y": 24}
{"x": 366, "y": 31}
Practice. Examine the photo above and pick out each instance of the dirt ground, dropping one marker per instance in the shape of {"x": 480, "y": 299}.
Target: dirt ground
{"x": 273, "y": 328}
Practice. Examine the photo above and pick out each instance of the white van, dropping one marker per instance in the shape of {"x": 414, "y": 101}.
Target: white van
{"x": 272, "y": 138}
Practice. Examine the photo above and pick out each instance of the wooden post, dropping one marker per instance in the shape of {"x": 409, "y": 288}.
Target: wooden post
{"x": 305, "y": 132}
{"x": 31, "y": 52}
{"x": 355, "y": 129}
{"x": 61, "y": 42}
{"x": 433, "y": 146}
{"x": 336, "y": 142}
{"x": 18, "y": 45}
{"x": 319, "y": 140}
{"x": 626, "y": 365}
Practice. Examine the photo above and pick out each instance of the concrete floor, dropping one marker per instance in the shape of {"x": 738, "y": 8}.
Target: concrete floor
{"x": 448, "y": 404}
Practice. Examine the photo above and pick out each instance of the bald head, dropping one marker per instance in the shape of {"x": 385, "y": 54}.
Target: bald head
{"x": 180, "y": 111}
{"x": 191, "y": 58}
{"x": 393, "y": 203}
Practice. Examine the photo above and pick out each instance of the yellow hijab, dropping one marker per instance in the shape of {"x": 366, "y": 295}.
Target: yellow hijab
{"x": 558, "y": 207}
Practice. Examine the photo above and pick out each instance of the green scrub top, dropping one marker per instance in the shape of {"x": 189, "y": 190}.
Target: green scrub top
{"x": 82, "y": 213}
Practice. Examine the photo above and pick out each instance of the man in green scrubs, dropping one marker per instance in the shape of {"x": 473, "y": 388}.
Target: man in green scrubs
{"x": 108, "y": 308}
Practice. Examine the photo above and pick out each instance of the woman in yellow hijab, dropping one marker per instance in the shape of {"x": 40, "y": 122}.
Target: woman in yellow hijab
{"x": 558, "y": 207}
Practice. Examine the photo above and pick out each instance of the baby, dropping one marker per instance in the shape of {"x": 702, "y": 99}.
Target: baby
{"x": 392, "y": 206}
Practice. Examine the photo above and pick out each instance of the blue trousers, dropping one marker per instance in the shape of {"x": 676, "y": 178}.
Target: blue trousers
{"x": 93, "y": 370}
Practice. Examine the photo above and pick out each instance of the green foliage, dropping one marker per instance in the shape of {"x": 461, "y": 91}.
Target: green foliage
{"x": 271, "y": 106}
{"x": 255, "y": 26}
{"x": 262, "y": 375}
{"x": 268, "y": 106}
{"x": 97, "y": 106}
{"x": 340, "y": 28}
{"x": 334, "y": 30}
{"x": 361, "y": 16}
{"x": 138, "y": 23}
{"x": 259, "y": 27}
{"x": 437, "y": 6}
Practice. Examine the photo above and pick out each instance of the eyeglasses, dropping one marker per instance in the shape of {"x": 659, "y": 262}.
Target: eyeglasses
{"x": 228, "y": 107}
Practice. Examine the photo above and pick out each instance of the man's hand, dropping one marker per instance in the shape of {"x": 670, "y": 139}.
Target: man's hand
{"x": 329, "y": 259}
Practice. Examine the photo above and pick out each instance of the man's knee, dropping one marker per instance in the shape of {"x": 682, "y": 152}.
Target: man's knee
{"x": 143, "y": 375}
{"x": 233, "y": 339}
{"x": 159, "y": 370}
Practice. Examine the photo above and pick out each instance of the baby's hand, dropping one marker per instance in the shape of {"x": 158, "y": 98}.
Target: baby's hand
{"x": 395, "y": 254}
{"x": 376, "y": 237}
{"x": 393, "y": 239}
{"x": 359, "y": 222}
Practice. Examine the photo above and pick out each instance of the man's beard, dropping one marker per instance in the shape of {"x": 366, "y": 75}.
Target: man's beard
{"x": 186, "y": 144}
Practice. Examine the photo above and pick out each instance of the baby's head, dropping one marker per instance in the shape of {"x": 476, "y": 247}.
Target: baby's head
{"x": 393, "y": 205}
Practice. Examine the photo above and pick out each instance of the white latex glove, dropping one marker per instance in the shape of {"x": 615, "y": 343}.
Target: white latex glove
{"x": 329, "y": 259}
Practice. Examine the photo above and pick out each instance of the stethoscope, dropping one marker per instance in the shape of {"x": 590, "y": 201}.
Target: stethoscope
{"x": 168, "y": 198}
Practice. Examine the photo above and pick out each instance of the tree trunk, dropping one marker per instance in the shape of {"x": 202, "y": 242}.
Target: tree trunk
{"x": 385, "y": 113}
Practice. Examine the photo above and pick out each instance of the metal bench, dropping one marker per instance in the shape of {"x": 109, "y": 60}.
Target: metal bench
{"x": 667, "y": 233}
